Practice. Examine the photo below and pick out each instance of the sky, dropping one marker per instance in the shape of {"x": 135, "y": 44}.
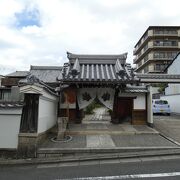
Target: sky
{"x": 40, "y": 32}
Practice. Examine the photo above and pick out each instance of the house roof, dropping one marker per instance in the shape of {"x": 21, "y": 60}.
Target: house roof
{"x": 97, "y": 68}
{"x": 47, "y": 74}
{"x": 136, "y": 89}
{"x": 158, "y": 78}
{"x": 37, "y": 87}
{"x": 20, "y": 74}
{"x": 11, "y": 104}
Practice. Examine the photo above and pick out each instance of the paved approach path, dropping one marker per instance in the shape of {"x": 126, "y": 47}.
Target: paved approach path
{"x": 169, "y": 126}
{"x": 98, "y": 135}
{"x": 100, "y": 115}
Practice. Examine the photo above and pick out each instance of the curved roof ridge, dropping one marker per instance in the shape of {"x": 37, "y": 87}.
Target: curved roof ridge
{"x": 45, "y": 67}
{"x": 97, "y": 56}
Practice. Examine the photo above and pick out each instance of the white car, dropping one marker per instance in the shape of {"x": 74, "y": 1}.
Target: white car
{"x": 161, "y": 106}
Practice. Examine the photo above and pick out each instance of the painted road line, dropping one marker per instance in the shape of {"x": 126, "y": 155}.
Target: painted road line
{"x": 135, "y": 176}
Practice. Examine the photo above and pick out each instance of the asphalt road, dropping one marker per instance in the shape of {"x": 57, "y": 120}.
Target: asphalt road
{"x": 160, "y": 169}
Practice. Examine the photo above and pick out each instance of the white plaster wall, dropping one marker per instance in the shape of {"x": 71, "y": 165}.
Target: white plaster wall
{"x": 47, "y": 116}
{"x": 155, "y": 90}
{"x": 9, "y": 128}
{"x": 140, "y": 101}
{"x": 174, "y": 102}
{"x": 172, "y": 89}
{"x": 174, "y": 69}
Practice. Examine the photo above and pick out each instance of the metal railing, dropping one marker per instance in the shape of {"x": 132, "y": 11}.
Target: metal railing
{"x": 168, "y": 43}
{"x": 165, "y": 32}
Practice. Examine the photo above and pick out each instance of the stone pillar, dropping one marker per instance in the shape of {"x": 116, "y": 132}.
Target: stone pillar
{"x": 62, "y": 125}
{"x": 149, "y": 107}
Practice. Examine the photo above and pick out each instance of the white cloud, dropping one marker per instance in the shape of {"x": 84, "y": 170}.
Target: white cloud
{"x": 7, "y": 10}
{"x": 91, "y": 26}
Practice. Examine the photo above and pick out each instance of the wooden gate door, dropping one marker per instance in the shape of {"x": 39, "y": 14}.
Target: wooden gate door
{"x": 124, "y": 109}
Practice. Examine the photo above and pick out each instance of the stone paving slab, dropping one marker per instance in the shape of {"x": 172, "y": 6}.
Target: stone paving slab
{"x": 99, "y": 141}
{"x": 146, "y": 140}
{"x": 116, "y": 127}
{"x": 128, "y": 128}
{"x": 143, "y": 128}
{"x": 97, "y": 126}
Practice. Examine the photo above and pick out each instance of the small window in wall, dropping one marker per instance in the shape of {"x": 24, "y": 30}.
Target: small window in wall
{"x": 160, "y": 67}
{"x": 5, "y": 94}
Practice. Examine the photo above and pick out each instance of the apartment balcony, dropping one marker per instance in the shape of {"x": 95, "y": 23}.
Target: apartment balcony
{"x": 164, "y": 58}
{"x": 167, "y": 33}
{"x": 147, "y": 60}
{"x": 135, "y": 59}
{"x": 141, "y": 55}
{"x": 166, "y": 44}
{"x": 162, "y": 46}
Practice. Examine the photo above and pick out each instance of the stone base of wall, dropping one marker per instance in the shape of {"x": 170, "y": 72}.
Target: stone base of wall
{"x": 28, "y": 143}
{"x": 139, "y": 117}
{"x": 150, "y": 125}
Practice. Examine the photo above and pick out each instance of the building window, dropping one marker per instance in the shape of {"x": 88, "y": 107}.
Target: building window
{"x": 146, "y": 58}
{"x": 160, "y": 67}
{"x": 145, "y": 36}
{"x": 145, "y": 47}
{"x": 139, "y": 55}
{"x": 140, "y": 63}
{"x": 5, "y": 94}
{"x": 146, "y": 69}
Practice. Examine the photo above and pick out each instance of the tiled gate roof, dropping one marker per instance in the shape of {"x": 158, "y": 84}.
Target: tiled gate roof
{"x": 97, "y": 68}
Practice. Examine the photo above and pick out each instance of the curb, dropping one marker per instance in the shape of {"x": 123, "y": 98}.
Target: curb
{"x": 109, "y": 132}
{"x": 39, "y": 161}
{"x": 102, "y": 150}
{"x": 169, "y": 139}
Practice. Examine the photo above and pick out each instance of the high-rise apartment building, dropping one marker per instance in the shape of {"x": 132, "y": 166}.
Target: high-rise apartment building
{"x": 156, "y": 48}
